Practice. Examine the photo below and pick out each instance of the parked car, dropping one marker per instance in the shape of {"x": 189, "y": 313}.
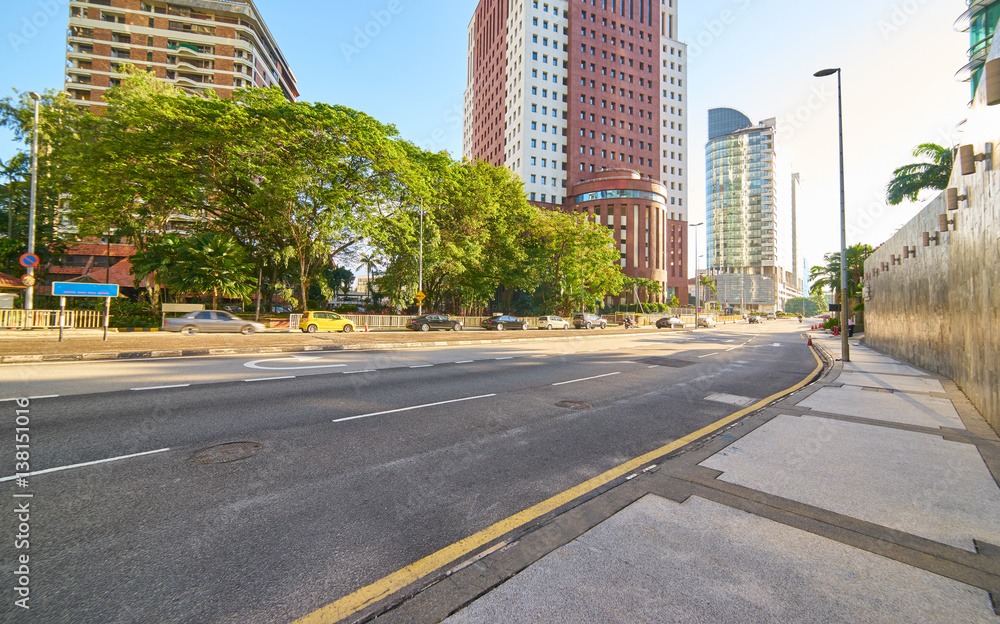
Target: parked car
{"x": 588, "y": 321}
{"x": 503, "y": 322}
{"x": 672, "y": 321}
{"x": 552, "y": 322}
{"x": 706, "y": 321}
{"x": 771, "y": 316}
{"x": 211, "y": 321}
{"x": 235, "y": 309}
{"x": 428, "y": 322}
{"x": 327, "y": 321}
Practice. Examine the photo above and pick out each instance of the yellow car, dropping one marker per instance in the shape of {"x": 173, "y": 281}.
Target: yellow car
{"x": 327, "y": 321}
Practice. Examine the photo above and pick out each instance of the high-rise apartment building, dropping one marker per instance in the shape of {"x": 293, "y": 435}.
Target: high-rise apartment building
{"x": 195, "y": 44}
{"x": 750, "y": 229}
{"x": 560, "y": 91}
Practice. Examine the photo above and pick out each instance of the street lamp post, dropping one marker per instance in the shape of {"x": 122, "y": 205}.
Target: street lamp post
{"x": 29, "y": 294}
{"x": 845, "y": 347}
{"x": 696, "y": 281}
{"x": 420, "y": 278}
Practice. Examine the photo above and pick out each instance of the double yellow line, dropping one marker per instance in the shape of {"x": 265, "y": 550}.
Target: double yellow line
{"x": 388, "y": 585}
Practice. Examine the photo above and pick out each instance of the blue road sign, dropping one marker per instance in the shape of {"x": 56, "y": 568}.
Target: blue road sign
{"x": 28, "y": 260}
{"x": 72, "y": 289}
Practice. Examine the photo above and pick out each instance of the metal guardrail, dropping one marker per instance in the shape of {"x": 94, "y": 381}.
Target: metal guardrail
{"x": 32, "y": 319}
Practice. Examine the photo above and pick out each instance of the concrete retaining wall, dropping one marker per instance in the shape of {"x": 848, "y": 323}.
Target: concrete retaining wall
{"x": 939, "y": 308}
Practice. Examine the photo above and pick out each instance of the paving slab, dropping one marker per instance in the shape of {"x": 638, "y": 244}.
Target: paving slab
{"x": 899, "y": 407}
{"x": 913, "y": 482}
{"x": 902, "y": 383}
{"x": 886, "y": 369}
{"x": 661, "y": 561}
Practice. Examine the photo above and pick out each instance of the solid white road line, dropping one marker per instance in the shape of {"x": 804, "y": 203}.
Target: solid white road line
{"x": 369, "y": 370}
{"x": 563, "y": 383}
{"x": 90, "y": 463}
{"x": 504, "y": 358}
{"x": 422, "y": 366}
{"x": 270, "y": 378}
{"x": 708, "y": 355}
{"x": 162, "y": 387}
{"x": 31, "y": 398}
{"x": 465, "y": 362}
{"x": 406, "y": 409}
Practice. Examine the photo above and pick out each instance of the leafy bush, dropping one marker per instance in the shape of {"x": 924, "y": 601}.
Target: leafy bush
{"x": 830, "y": 323}
{"x": 134, "y": 321}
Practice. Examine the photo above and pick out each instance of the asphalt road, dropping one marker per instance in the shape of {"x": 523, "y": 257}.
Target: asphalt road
{"x": 361, "y": 469}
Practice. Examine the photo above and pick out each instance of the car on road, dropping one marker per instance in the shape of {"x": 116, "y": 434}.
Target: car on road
{"x": 325, "y": 321}
{"x": 753, "y": 318}
{"x": 503, "y": 322}
{"x": 428, "y": 322}
{"x": 706, "y": 321}
{"x": 771, "y": 316}
{"x": 588, "y": 321}
{"x": 211, "y": 321}
{"x": 552, "y": 322}
{"x": 669, "y": 322}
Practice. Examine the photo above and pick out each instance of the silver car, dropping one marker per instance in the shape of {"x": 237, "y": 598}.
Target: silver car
{"x": 552, "y": 322}
{"x": 214, "y": 321}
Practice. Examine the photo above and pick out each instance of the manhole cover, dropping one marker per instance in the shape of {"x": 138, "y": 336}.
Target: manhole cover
{"x": 230, "y": 452}
{"x": 576, "y": 405}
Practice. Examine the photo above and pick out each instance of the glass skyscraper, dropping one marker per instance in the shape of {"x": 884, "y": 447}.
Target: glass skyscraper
{"x": 750, "y": 233}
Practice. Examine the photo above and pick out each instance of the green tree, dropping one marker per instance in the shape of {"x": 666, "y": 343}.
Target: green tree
{"x": 309, "y": 179}
{"x": 155, "y": 262}
{"x": 908, "y": 180}
{"x": 827, "y": 275}
{"x": 576, "y": 261}
{"x": 57, "y": 124}
{"x": 213, "y": 263}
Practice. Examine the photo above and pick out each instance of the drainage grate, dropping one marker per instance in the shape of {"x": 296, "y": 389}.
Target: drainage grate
{"x": 229, "y": 452}
{"x": 664, "y": 361}
{"x": 574, "y": 405}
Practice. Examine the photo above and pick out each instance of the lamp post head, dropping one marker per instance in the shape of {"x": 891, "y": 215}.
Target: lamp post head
{"x": 826, "y": 72}
{"x": 34, "y": 96}
{"x": 696, "y": 224}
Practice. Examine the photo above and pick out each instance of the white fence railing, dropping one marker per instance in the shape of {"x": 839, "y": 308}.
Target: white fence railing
{"x": 32, "y": 319}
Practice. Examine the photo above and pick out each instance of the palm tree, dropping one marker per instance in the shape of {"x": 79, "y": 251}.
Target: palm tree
{"x": 828, "y": 275}
{"x": 155, "y": 262}
{"x": 709, "y": 283}
{"x": 908, "y": 180}
{"x": 214, "y": 263}
{"x": 369, "y": 260}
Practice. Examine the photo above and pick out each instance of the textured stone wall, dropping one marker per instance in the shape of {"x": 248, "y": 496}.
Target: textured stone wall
{"x": 940, "y": 308}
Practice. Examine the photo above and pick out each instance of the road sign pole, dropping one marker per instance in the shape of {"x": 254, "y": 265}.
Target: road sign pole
{"x": 107, "y": 315}
{"x": 62, "y": 315}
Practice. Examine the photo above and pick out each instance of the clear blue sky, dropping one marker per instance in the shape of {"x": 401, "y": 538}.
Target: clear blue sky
{"x": 758, "y": 56}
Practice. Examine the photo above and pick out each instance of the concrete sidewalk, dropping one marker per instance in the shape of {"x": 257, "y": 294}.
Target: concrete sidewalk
{"x": 870, "y": 496}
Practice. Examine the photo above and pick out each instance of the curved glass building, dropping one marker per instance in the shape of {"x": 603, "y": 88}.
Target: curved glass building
{"x": 749, "y": 236}
{"x": 980, "y": 20}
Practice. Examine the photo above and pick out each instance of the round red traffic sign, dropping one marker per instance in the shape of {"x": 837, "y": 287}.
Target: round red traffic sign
{"x": 29, "y": 260}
